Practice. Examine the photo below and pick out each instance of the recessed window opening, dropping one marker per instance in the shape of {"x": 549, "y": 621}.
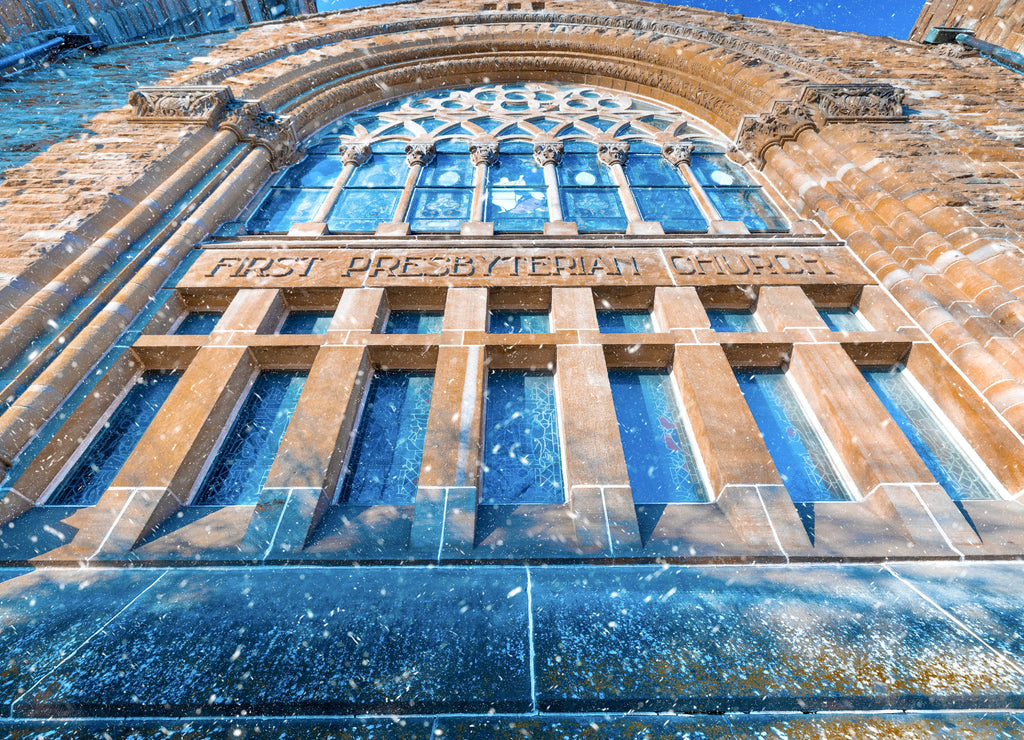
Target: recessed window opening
{"x": 518, "y": 322}
{"x": 733, "y": 320}
{"x": 657, "y": 444}
{"x": 796, "y": 447}
{"x": 117, "y": 437}
{"x": 246, "y": 453}
{"x": 413, "y": 322}
{"x": 939, "y": 445}
{"x": 625, "y": 322}
{"x": 306, "y": 322}
{"x": 195, "y": 323}
{"x": 383, "y": 465}
{"x": 844, "y": 319}
{"x": 522, "y": 460}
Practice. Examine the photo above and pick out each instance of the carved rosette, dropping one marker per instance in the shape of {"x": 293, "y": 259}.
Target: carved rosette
{"x": 786, "y": 121}
{"x": 547, "y": 153}
{"x": 677, "y": 152}
{"x": 847, "y": 103}
{"x": 202, "y": 104}
{"x": 483, "y": 152}
{"x": 419, "y": 152}
{"x": 253, "y": 124}
{"x": 354, "y": 154}
{"x": 613, "y": 152}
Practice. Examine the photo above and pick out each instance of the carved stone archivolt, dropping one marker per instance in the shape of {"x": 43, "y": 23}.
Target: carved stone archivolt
{"x": 847, "y": 103}
{"x": 180, "y": 104}
{"x": 254, "y": 124}
{"x": 786, "y": 121}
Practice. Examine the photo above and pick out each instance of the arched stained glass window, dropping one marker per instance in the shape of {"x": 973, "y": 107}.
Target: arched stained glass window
{"x": 517, "y": 157}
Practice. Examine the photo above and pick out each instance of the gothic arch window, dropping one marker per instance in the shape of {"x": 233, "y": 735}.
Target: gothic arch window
{"x": 516, "y": 157}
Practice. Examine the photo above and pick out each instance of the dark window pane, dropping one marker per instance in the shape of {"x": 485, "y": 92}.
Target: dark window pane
{"x": 732, "y": 321}
{"x": 674, "y": 208}
{"x": 284, "y": 207}
{"x": 198, "y": 322}
{"x": 306, "y": 322}
{"x": 844, "y": 319}
{"x": 518, "y": 322}
{"x": 414, "y": 322}
{"x": 624, "y": 322}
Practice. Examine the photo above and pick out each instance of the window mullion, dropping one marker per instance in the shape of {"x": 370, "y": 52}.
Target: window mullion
{"x": 418, "y": 155}
{"x": 482, "y": 154}
{"x": 613, "y": 155}
{"x": 352, "y": 155}
{"x": 678, "y": 155}
{"x": 548, "y": 155}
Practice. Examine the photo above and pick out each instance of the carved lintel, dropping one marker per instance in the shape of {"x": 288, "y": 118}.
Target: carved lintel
{"x": 202, "y": 104}
{"x": 677, "y": 152}
{"x": 786, "y": 121}
{"x": 419, "y": 152}
{"x": 252, "y": 123}
{"x": 547, "y": 153}
{"x": 613, "y": 152}
{"x": 483, "y": 152}
{"x": 354, "y": 154}
{"x": 855, "y": 102}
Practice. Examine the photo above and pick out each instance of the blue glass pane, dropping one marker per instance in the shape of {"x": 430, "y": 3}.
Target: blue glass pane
{"x": 110, "y": 448}
{"x": 247, "y": 452}
{"x": 929, "y": 433}
{"x": 437, "y": 209}
{"x": 515, "y": 169}
{"x": 844, "y": 319}
{"x": 602, "y": 124}
{"x": 639, "y": 148}
{"x": 522, "y": 457}
{"x": 414, "y": 322}
{"x": 306, "y": 322}
{"x": 715, "y": 170}
{"x": 582, "y": 171}
{"x": 544, "y": 124}
{"x": 651, "y": 170}
{"x": 674, "y": 208}
{"x": 286, "y": 206}
{"x": 394, "y": 146}
{"x": 452, "y": 146}
{"x": 732, "y": 321}
{"x": 380, "y": 171}
{"x": 748, "y": 206}
{"x": 517, "y": 209}
{"x": 384, "y": 467}
{"x": 796, "y": 450}
{"x": 447, "y": 171}
{"x": 363, "y": 210}
{"x": 315, "y": 171}
{"x": 625, "y": 322}
{"x": 198, "y": 322}
{"x": 429, "y": 124}
{"x": 659, "y": 459}
{"x": 488, "y": 124}
{"x": 594, "y": 210}
{"x": 518, "y": 322}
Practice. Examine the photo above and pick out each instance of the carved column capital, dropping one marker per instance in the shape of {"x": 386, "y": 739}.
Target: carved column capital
{"x": 547, "y": 153}
{"x": 202, "y": 104}
{"x": 253, "y": 124}
{"x": 847, "y": 103}
{"x": 786, "y": 121}
{"x": 677, "y": 152}
{"x": 613, "y": 152}
{"x": 483, "y": 152}
{"x": 419, "y": 152}
{"x": 354, "y": 154}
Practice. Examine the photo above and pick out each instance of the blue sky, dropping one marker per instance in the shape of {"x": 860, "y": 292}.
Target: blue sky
{"x": 876, "y": 17}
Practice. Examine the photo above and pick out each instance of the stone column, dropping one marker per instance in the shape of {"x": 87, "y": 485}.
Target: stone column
{"x": 547, "y": 155}
{"x": 352, "y": 155}
{"x": 613, "y": 155}
{"x": 482, "y": 153}
{"x": 418, "y": 154}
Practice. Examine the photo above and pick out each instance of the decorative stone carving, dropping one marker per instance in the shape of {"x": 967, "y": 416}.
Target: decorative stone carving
{"x": 354, "y": 154}
{"x": 613, "y": 152}
{"x": 845, "y": 103}
{"x": 180, "y": 103}
{"x": 677, "y": 152}
{"x": 483, "y": 152}
{"x": 419, "y": 152}
{"x": 786, "y": 121}
{"x": 547, "y": 153}
{"x": 254, "y": 124}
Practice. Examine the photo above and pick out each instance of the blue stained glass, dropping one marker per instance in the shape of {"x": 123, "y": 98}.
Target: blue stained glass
{"x": 447, "y": 171}
{"x": 599, "y": 209}
{"x": 844, "y": 319}
{"x": 747, "y": 205}
{"x": 245, "y": 456}
{"x": 198, "y": 322}
{"x": 381, "y": 171}
{"x": 487, "y": 124}
{"x": 582, "y": 171}
{"x": 674, "y": 208}
{"x": 286, "y": 206}
{"x": 518, "y": 322}
{"x": 429, "y": 124}
{"x": 544, "y": 124}
{"x": 512, "y": 170}
{"x": 651, "y": 170}
{"x": 522, "y": 456}
{"x": 625, "y": 322}
{"x": 438, "y": 209}
{"x": 732, "y": 321}
{"x": 929, "y": 433}
{"x": 363, "y": 210}
{"x": 414, "y": 322}
{"x": 715, "y": 170}
{"x": 796, "y": 450}
{"x": 572, "y": 131}
{"x": 315, "y": 171}
{"x": 384, "y": 466}
{"x": 602, "y": 124}
{"x": 659, "y": 458}
{"x": 110, "y": 448}
{"x": 517, "y": 209}
{"x": 306, "y": 322}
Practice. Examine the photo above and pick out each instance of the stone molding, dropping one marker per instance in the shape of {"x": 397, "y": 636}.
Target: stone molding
{"x": 254, "y": 124}
{"x": 202, "y": 104}
{"x": 848, "y": 103}
{"x": 786, "y": 121}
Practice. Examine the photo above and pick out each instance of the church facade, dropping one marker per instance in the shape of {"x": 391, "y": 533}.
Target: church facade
{"x": 521, "y": 369}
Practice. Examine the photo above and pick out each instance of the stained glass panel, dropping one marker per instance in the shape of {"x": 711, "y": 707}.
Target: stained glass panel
{"x": 198, "y": 322}
{"x": 306, "y": 322}
{"x": 674, "y": 208}
{"x": 248, "y": 451}
{"x": 447, "y": 171}
{"x": 315, "y": 171}
{"x": 515, "y": 170}
{"x": 286, "y": 206}
{"x": 380, "y": 171}
{"x": 844, "y": 319}
{"x": 715, "y": 171}
{"x": 414, "y": 322}
{"x": 363, "y": 210}
{"x": 522, "y": 455}
{"x": 517, "y": 209}
{"x": 747, "y": 205}
{"x": 625, "y": 322}
{"x": 597, "y": 209}
{"x": 384, "y": 465}
{"x": 733, "y": 321}
{"x": 659, "y": 457}
{"x": 437, "y": 209}
{"x": 115, "y": 441}
{"x": 518, "y": 322}
{"x": 797, "y": 451}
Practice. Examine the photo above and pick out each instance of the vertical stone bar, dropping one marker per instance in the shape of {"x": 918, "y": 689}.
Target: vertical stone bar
{"x": 352, "y": 155}
{"x": 572, "y": 309}
{"x": 465, "y": 309}
{"x": 251, "y": 311}
{"x": 678, "y": 154}
{"x": 483, "y": 154}
{"x": 547, "y": 156}
{"x": 680, "y": 311}
{"x": 359, "y": 312}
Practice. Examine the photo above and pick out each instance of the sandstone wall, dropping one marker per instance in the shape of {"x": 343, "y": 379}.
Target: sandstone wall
{"x": 999, "y": 22}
